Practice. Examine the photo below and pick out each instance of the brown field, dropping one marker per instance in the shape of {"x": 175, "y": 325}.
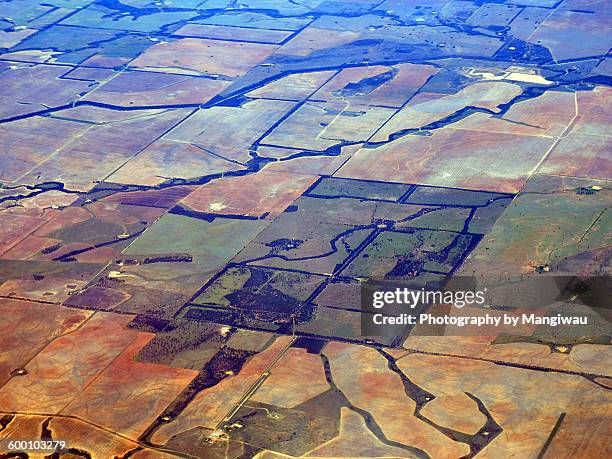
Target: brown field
{"x": 580, "y": 155}
{"x": 230, "y": 131}
{"x": 16, "y": 225}
{"x": 589, "y": 358}
{"x": 297, "y": 86}
{"x": 9, "y": 39}
{"x": 25, "y": 147}
{"x": 28, "y": 327}
{"x": 152, "y": 88}
{"x": 452, "y": 157}
{"x": 250, "y": 195}
{"x": 98, "y": 148}
{"x": 164, "y": 198}
{"x": 547, "y": 115}
{"x": 426, "y": 108}
{"x": 18, "y": 93}
{"x": 393, "y": 93}
{"x": 196, "y": 56}
{"x": 361, "y": 373}
{"x": 313, "y": 39}
{"x": 285, "y": 385}
{"x": 354, "y": 439}
{"x": 305, "y": 165}
{"x": 50, "y": 383}
{"x": 553, "y": 112}
{"x": 594, "y": 111}
{"x": 526, "y": 420}
{"x": 167, "y": 159}
{"x": 138, "y": 392}
{"x": 233, "y": 33}
{"x": 320, "y": 125}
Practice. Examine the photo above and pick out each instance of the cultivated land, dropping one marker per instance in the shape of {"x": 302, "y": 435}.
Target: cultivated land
{"x": 192, "y": 193}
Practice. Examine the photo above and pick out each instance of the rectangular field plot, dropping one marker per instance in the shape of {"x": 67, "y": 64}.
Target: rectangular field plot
{"x": 195, "y": 56}
{"x": 233, "y": 33}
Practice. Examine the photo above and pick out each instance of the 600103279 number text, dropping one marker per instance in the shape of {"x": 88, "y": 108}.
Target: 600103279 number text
{"x": 33, "y": 445}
